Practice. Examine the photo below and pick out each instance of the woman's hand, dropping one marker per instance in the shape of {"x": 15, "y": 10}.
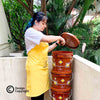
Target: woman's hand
{"x": 61, "y": 41}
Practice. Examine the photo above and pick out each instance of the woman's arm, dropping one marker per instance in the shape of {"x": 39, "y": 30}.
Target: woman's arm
{"x": 51, "y": 38}
{"x": 51, "y": 47}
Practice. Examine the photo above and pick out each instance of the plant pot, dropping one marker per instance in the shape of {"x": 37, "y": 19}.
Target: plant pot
{"x": 61, "y": 80}
{"x": 60, "y": 94}
{"x": 62, "y": 60}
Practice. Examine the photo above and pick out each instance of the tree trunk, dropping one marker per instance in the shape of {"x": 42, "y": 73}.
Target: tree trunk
{"x": 43, "y": 9}
{"x": 43, "y": 6}
{"x": 71, "y": 7}
{"x": 28, "y": 7}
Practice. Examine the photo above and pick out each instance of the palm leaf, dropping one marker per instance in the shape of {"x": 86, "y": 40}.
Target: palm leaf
{"x": 86, "y": 6}
{"x": 83, "y": 11}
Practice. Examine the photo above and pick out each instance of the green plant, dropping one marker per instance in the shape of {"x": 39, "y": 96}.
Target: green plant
{"x": 95, "y": 27}
{"x": 56, "y": 16}
{"x": 97, "y": 43}
{"x": 83, "y": 33}
{"x": 86, "y": 35}
{"x": 97, "y": 56}
{"x": 85, "y": 7}
{"x": 18, "y": 18}
{"x": 57, "y": 13}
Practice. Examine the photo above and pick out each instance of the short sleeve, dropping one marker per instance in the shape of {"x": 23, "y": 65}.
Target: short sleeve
{"x": 33, "y": 36}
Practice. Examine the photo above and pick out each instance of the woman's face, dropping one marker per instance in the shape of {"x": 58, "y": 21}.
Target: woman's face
{"x": 41, "y": 25}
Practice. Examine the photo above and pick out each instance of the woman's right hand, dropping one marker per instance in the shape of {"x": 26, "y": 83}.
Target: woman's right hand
{"x": 61, "y": 41}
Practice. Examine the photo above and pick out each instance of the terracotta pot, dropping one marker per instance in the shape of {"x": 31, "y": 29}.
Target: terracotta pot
{"x": 62, "y": 60}
{"x": 61, "y": 80}
{"x": 60, "y": 94}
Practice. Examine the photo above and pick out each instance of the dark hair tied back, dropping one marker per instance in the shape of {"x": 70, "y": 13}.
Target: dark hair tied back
{"x": 29, "y": 24}
{"x": 39, "y": 16}
{"x": 34, "y": 17}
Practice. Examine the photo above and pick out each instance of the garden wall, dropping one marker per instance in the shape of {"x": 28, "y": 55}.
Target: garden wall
{"x": 86, "y": 83}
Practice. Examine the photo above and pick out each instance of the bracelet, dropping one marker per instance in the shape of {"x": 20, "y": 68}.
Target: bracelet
{"x": 56, "y": 43}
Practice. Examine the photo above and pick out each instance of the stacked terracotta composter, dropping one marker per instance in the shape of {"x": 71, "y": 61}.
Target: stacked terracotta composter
{"x": 61, "y": 75}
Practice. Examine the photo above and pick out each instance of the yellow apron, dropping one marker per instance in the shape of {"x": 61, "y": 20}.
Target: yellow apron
{"x": 37, "y": 70}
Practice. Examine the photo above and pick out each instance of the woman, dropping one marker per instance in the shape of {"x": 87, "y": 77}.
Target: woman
{"x": 37, "y": 49}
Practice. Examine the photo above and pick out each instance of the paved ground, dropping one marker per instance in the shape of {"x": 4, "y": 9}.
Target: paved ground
{"x": 90, "y": 17}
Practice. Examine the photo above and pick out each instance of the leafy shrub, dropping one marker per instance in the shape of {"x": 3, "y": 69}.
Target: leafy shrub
{"x": 17, "y": 18}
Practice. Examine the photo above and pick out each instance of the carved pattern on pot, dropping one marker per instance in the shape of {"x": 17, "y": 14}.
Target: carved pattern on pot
{"x": 55, "y": 82}
{"x": 54, "y": 98}
{"x": 60, "y": 62}
{"x": 67, "y": 65}
{"x": 68, "y": 82}
{"x": 55, "y": 78}
{"x": 62, "y": 80}
{"x": 62, "y": 86}
{"x": 60, "y": 68}
{"x": 60, "y": 97}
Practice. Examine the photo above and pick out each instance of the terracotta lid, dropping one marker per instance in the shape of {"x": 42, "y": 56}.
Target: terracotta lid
{"x": 62, "y": 72}
{"x": 71, "y": 40}
{"x": 61, "y": 90}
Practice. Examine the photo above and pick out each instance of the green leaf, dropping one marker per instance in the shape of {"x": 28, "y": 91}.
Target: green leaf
{"x": 97, "y": 56}
{"x": 86, "y": 6}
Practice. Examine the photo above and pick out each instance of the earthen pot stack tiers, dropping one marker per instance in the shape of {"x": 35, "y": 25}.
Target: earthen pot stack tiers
{"x": 61, "y": 75}
{"x": 59, "y": 94}
{"x": 62, "y": 60}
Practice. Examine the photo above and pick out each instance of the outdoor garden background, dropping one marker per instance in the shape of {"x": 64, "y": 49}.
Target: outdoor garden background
{"x": 63, "y": 16}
